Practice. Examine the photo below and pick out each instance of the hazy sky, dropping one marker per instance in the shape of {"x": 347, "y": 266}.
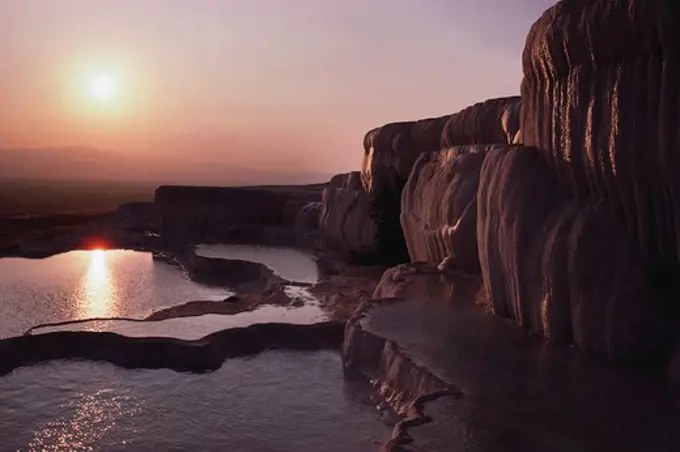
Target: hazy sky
{"x": 270, "y": 84}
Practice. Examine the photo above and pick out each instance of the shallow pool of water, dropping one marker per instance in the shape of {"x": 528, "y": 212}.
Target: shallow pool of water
{"x": 196, "y": 327}
{"x": 84, "y": 284}
{"x": 276, "y": 401}
{"x": 288, "y": 263}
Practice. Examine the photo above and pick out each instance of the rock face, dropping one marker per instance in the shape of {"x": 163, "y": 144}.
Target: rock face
{"x": 199, "y": 213}
{"x": 391, "y": 151}
{"x": 491, "y": 121}
{"x": 345, "y": 220}
{"x": 601, "y": 97}
{"x": 564, "y": 267}
{"x": 237, "y": 274}
{"x": 439, "y": 207}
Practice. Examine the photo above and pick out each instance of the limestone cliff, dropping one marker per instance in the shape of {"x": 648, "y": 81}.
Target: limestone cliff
{"x": 601, "y": 97}
{"x": 391, "y": 151}
{"x": 439, "y": 206}
{"x": 491, "y": 121}
{"x": 575, "y": 226}
{"x": 564, "y": 267}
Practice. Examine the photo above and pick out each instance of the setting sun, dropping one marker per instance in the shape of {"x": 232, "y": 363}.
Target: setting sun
{"x": 102, "y": 87}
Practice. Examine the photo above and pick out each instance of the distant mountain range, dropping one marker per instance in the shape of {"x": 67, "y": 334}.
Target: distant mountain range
{"x": 83, "y": 163}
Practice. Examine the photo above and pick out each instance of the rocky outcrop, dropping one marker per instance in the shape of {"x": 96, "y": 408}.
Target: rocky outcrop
{"x": 301, "y": 215}
{"x": 345, "y": 221}
{"x": 401, "y": 382}
{"x": 601, "y": 97}
{"x": 439, "y": 207}
{"x": 207, "y": 213}
{"x": 308, "y": 216}
{"x": 237, "y": 274}
{"x": 565, "y": 267}
{"x": 488, "y": 122}
{"x": 234, "y": 304}
{"x": 201, "y": 355}
{"x": 391, "y": 151}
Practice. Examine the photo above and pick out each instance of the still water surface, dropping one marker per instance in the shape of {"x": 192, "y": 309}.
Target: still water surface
{"x": 288, "y": 263}
{"x": 276, "y": 401}
{"x": 85, "y": 284}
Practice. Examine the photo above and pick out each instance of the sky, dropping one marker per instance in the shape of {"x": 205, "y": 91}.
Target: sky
{"x": 275, "y": 85}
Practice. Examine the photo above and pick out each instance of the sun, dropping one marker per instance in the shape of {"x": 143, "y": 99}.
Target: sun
{"x": 102, "y": 87}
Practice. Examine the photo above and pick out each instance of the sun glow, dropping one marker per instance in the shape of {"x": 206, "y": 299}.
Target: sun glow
{"x": 98, "y": 287}
{"x": 101, "y": 94}
{"x": 102, "y": 87}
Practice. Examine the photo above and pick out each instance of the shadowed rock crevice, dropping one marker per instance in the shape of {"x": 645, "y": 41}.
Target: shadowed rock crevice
{"x": 390, "y": 242}
{"x": 202, "y": 355}
{"x": 390, "y": 152}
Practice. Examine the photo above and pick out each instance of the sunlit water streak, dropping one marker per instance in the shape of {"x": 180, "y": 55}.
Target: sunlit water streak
{"x": 99, "y": 293}
{"x": 84, "y": 284}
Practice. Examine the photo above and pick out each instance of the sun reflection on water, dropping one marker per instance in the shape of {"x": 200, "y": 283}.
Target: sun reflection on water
{"x": 98, "y": 287}
{"x": 85, "y": 421}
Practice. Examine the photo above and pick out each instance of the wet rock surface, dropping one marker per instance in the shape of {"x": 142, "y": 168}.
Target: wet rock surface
{"x": 201, "y": 355}
{"x": 235, "y": 273}
{"x": 502, "y": 389}
{"x": 343, "y": 293}
{"x": 426, "y": 281}
{"x": 242, "y": 302}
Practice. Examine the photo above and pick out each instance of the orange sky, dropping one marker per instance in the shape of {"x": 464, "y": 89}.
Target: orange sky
{"x": 269, "y": 84}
